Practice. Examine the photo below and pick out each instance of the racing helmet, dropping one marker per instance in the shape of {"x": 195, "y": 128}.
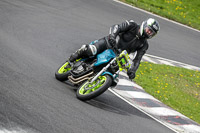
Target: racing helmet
{"x": 149, "y": 28}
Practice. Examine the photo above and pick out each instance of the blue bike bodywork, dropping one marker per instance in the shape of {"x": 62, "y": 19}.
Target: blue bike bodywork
{"x": 105, "y": 57}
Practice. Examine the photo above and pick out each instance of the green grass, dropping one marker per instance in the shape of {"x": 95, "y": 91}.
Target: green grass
{"x": 183, "y": 11}
{"x": 176, "y": 87}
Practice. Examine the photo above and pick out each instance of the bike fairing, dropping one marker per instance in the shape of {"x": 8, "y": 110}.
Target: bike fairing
{"x": 104, "y": 57}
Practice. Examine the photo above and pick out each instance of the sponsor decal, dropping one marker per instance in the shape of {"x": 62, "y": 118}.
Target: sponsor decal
{"x": 155, "y": 27}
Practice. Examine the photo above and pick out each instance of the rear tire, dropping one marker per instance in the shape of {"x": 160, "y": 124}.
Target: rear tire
{"x": 62, "y": 72}
{"x": 95, "y": 89}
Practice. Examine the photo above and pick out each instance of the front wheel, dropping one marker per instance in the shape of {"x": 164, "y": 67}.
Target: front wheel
{"x": 89, "y": 90}
{"x": 63, "y": 72}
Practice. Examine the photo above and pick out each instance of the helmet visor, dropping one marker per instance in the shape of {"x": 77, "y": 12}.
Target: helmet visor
{"x": 149, "y": 32}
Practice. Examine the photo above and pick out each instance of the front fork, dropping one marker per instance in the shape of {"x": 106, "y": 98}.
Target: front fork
{"x": 103, "y": 70}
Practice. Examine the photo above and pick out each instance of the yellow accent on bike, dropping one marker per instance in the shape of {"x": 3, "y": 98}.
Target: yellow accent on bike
{"x": 123, "y": 61}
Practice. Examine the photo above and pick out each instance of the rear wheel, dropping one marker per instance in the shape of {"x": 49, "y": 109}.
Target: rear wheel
{"x": 63, "y": 72}
{"x": 89, "y": 90}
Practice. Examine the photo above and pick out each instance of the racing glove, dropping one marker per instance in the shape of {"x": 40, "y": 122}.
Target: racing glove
{"x": 131, "y": 72}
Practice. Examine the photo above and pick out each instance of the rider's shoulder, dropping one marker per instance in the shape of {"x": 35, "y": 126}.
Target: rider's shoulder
{"x": 131, "y": 21}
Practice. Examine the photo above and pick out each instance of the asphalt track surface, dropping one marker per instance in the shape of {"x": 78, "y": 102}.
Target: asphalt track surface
{"x": 36, "y": 36}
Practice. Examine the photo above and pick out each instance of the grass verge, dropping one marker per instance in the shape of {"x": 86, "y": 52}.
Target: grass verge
{"x": 184, "y": 11}
{"x": 176, "y": 87}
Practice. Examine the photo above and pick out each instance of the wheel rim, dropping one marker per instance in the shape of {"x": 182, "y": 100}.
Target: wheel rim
{"x": 91, "y": 87}
{"x": 63, "y": 69}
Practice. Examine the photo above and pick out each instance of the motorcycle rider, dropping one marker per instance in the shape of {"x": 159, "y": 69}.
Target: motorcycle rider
{"x": 129, "y": 36}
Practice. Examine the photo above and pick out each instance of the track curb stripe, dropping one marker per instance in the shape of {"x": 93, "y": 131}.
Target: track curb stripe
{"x": 159, "y": 60}
{"x": 136, "y": 96}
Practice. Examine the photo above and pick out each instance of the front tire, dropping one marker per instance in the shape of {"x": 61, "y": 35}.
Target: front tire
{"x": 63, "y": 72}
{"x": 89, "y": 91}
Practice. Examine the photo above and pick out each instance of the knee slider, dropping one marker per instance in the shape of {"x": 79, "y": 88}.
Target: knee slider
{"x": 92, "y": 49}
{"x": 88, "y": 50}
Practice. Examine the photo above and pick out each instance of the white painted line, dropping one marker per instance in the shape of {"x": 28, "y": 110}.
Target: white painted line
{"x": 125, "y": 82}
{"x": 17, "y": 130}
{"x": 192, "y": 128}
{"x": 191, "y": 67}
{"x": 166, "y": 62}
{"x": 1, "y": 131}
{"x": 162, "y": 111}
{"x": 122, "y": 93}
{"x": 195, "y": 67}
{"x": 167, "y": 125}
{"x": 149, "y": 59}
{"x": 187, "y": 67}
{"x": 6, "y": 131}
{"x": 153, "y": 56}
{"x": 141, "y": 95}
{"x": 135, "y": 94}
{"x": 156, "y": 15}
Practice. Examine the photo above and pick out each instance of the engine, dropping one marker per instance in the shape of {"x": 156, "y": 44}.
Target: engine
{"x": 80, "y": 72}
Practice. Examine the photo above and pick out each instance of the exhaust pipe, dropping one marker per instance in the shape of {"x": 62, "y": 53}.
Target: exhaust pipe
{"x": 80, "y": 79}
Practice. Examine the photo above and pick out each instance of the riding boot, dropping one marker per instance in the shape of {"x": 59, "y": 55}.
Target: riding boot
{"x": 84, "y": 52}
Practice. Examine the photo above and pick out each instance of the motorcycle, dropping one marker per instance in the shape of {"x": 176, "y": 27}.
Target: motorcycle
{"x": 94, "y": 75}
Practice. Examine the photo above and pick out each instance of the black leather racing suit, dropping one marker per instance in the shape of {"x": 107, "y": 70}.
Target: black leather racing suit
{"x": 129, "y": 39}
